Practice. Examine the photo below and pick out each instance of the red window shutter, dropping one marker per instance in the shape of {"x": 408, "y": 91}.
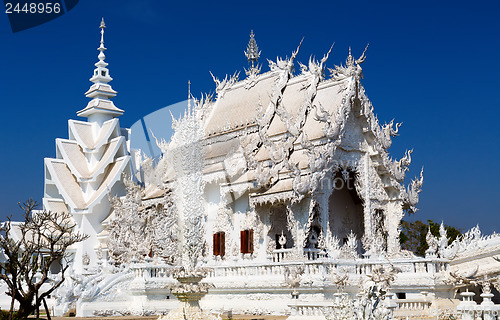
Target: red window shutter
{"x": 246, "y": 241}
{"x": 243, "y": 241}
{"x": 250, "y": 241}
{"x": 222, "y": 241}
{"x": 216, "y": 244}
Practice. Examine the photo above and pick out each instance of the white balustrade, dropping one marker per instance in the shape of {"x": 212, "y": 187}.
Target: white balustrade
{"x": 470, "y": 310}
{"x": 318, "y": 269}
{"x": 150, "y": 270}
{"x": 412, "y": 308}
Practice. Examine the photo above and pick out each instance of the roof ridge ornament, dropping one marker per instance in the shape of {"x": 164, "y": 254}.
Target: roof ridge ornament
{"x": 221, "y": 86}
{"x": 362, "y": 58}
{"x": 352, "y": 67}
{"x": 252, "y": 53}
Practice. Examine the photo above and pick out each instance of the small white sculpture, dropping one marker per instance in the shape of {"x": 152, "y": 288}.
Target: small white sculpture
{"x": 432, "y": 242}
{"x": 282, "y": 240}
{"x": 293, "y": 276}
{"x": 86, "y": 259}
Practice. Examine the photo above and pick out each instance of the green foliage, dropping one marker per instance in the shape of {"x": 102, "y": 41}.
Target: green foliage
{"x": 412, "y": 236}
{"x": 4, "y": 315}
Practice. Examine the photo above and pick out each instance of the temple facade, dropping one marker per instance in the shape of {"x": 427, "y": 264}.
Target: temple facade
{"x": 281, "y": 187}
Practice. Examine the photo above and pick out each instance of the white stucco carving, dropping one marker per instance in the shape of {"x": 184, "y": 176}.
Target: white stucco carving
{"x": 282, "y": 184}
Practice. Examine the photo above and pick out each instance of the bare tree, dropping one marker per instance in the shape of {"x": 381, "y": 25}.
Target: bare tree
{"x": 32, "y": 247}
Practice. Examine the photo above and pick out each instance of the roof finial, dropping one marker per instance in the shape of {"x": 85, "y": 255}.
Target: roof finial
{"x": 101, "y": 47}
{"x": 101, "y": 73}
{"x": 252, "y": 53}
{"x": 101, "y": 92}
{"x": 350, "y": 59}
{"x": 189, "y": 96}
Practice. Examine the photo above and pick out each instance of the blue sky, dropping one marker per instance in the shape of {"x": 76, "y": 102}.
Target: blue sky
{"x": 433, "y": 66}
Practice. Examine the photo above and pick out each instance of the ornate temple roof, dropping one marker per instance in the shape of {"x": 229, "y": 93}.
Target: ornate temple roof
{"x": 291, "y": 127}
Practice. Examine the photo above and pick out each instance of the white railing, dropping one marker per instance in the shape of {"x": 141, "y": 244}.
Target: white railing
{"x": 470, "y": 310}
{"x": 309, "y": 309}
{"x": 309, "y": 254}
{"x": 318, "y": 269}
{"x": 150, "y": 270}
{"x": 413, "y": 309}
{"x": 282, "y": 255}
{"x": 323, "y": 266}
{"x": 480, "y": 312}
{"x": 317, "y": 309}
{"x": 404, "y": 309}
{"x": 314, "y": 254}
{"x": 314, "y": 261}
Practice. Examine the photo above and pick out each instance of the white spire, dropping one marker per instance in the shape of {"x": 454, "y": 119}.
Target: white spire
{"x": 101, "y": 91}
{"x": 101, "y": 73}
{"x": 101, "y": 47}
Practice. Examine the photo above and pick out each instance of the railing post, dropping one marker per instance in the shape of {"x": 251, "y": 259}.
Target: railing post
{"x": 431, "y": 267}
{"x": 487, "y": 306}
{"x": 467, "y": 305}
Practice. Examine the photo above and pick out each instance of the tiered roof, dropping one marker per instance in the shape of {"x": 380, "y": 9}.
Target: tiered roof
{"x": 92, "y": 160}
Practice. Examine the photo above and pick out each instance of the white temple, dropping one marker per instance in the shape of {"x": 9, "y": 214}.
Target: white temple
{"x": 283, "y": 180}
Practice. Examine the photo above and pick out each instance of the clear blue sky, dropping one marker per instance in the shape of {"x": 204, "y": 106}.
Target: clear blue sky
{"x": 433, "y": 65}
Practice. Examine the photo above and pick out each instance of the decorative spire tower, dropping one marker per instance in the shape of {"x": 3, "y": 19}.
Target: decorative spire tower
{"x": 89, "y": 165}
{"x": 252, "y": 53}
{"x": 100, "y": 108}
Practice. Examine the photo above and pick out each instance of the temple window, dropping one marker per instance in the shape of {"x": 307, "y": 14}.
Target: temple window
{"x": 103, "y": 73}
{"x": 345, "y": 207}
{"x": 279, "y": 227}
{"x": 219, "y": 244}
{"x": 246, "y": 241}
{"x": 314, "y": 229}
